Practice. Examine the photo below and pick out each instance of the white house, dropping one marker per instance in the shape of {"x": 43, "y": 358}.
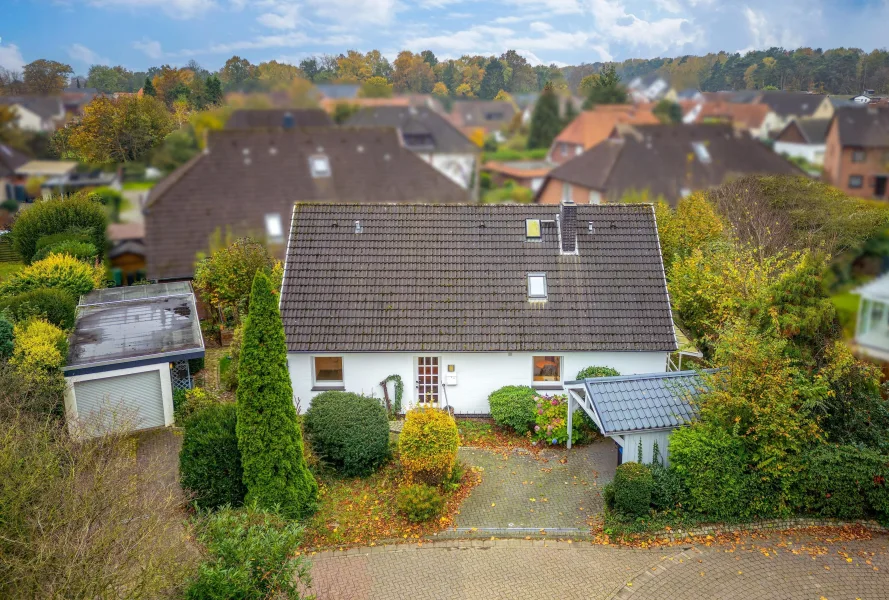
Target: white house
{"x": 804, "y": 138}
{"x": 461, "y": 300}
{"x": 36, "y": 113}
{"x": 127, "y": 354}
{"x": 872, "y": 325}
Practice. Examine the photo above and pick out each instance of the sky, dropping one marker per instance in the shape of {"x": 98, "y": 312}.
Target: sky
{"x": 142, "y": 33}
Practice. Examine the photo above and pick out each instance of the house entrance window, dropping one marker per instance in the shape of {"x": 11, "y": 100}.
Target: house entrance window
{"x": 427, "y": 379}
{"x": 547, "y": 368}
{"x": 329, "y": 371}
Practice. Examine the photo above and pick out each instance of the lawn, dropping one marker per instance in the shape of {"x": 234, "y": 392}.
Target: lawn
{"x": 362, "y": 511}
{"x": 8, "y": 268}
{"x": 846, "y": 304}
{"x": 138, "y": 186}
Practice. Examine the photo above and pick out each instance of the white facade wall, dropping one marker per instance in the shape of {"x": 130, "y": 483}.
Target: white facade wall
{"x": 477, "y": 373}
{"x": 27, "y": 120}
{"x": 630, "y": 444}
{"x": 814, "y": 153}
{"x": 456, "y": 167}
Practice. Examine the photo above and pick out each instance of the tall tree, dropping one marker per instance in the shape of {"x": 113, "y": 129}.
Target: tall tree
{"x": 237, "y": 74}
{"x": 310, "y": 68}
{"x": 108, "y": 79}
{"x": 522, "y": 78}
{"x": 44, "y": 77}
{"x": 607, "y": 89}
{"x": 429, "y": 57}
{"x": 376, "y": 87}
{"x": 269, "y": 435}
{"x": 570, "y": 111}
{"x": 493, "y": 81}
{"x": 213, "y": 90}
{"x": 545, "y": 121}
{"x": 148, "y": 88}
{"x": 412, "y": 74}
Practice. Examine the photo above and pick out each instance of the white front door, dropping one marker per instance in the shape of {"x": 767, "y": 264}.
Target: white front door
{"x": 428, "y": 375}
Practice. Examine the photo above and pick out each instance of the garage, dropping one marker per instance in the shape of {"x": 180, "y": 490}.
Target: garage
{"x": 129, "y": 350}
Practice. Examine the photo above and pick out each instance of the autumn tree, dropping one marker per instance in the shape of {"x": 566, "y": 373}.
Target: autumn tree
{"x": 429, "y": 57}
{"x": 269, "y": 435}
{"x": 412, "y": 74}
{"x": 45, "y": 77}
{"x": 545, "y": 121}
{"x": 276, "y": 76}
{"x": 606, "y": 89}
{"x": 237, "y": 73}
{"x": 109, "y": 79}
{"x": 376, "y": 87}
{"x": 668, "y": 112}
{"x": 520, "y": 76}
{"x": 118, "y": 130}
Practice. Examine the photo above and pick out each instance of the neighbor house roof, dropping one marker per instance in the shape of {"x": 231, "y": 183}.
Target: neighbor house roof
{"x": 592, "y": 126}
{"x": 636, "y": 403}
{"x": 668, "y": 160}
{"x": 338, "y": 91}
{"x": 144, "y": 324}
{"x": 245, "y": 177}
{"x": 431, "y": 278}
{"x": 748, "y": 116}
{"x": 46, "y": 107}
{"x": 47, "y": 168}
{"x": 520, "y": 168}
{"x": 865, "y": 127}
{"x": 812, "y": 131}
{"x": 10, "y": 160}
{"x": 488, "y": 114}
{"x": 792, "y": 104}
{"x": 244, "y": 118}
{"x": 422, "y": 129}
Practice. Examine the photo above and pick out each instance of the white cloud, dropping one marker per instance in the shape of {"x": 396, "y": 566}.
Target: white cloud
{"x": 615, "y": 24}
{"x": 486, "y": 39}
{"x": 151, "y": 48}
{"x": 540, "y": 26}
{"x": 177, "y": 9}
{"x": 11, "y": 58}
{"x": 765, "y": 32}
{"x": 282, "y": 18}
{"x": 81, "y": 53}
{"x": 373, "y": 12}
{"x": 559, "y": 7}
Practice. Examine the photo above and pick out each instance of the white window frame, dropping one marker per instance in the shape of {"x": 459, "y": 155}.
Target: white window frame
{"x": 860, "y": 182}
{"x": 317, "y": 384}
{"x": 567, "y": 193}
{"x": 318, "y": 168}
{"x": 273, "y": 222}
{"x": 541, "y": 384}
{"x": 536, "y": 296}
{"x": 595, "y": 197}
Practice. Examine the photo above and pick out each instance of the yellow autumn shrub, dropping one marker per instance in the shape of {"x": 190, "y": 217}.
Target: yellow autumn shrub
{"x": 39, "y": 347}
{"x": 427, "y": 445}
{"x": 59, "y": 271}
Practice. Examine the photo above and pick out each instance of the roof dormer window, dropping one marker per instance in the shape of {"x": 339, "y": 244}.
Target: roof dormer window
{"x": 319, "y": 166}
{"x": 701, "y": 152}
{"x": 273, "y": 228}
{"x": 537, "y": 287}
{"x": 532, "y": 230}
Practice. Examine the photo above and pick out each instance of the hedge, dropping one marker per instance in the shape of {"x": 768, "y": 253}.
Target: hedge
{"x": 633, "y": 486}
{"x": 57, "y": 306}
{"x": 81, "y": 213}
{"x": 58, "y": 272}
{"x": 348, "y": 431}
{"x": 210, "y": 462}
{"x": 80, "y": 250}
{"x": 514, "y": 406}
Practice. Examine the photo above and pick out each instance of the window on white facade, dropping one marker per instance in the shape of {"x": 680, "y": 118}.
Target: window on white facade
{"x": 320, "y": 166}
{"x": 328, "y": 370}
{"x": 547, "y": 368}
{"x": 273, "y": 228}
{"x": 578, "y": 150}
{"x": 537, "y": 286}
{"x": 567, "y": 197}
{"x": 595, "y": 197}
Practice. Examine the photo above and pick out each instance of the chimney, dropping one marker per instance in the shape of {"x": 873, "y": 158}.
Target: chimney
{"x": 568, "y": 227}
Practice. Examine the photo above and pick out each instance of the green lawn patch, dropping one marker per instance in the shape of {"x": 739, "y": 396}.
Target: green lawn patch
{"x": 138, "y": 185}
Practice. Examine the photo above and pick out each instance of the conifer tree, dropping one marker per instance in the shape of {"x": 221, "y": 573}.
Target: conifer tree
{"x": 213, "y": 90}
{"x": 269, "y": 435}
{"x": 148, "y": 88}
{"x": 545, "y": 121}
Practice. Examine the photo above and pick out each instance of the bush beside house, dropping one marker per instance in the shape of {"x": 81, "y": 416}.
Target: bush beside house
{"x": 427, "y": 445}
{"x": 514, "y": 406}
{"x": 209, "y": 462}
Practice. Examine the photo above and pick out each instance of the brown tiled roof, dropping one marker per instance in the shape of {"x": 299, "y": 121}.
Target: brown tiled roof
{"x": 454, "y": 278}
{"x": 792, "y": 104}
{"x": 811, "y": 131}
{"x": 864, "y": 127}
{"x": 747, "y": 116}
{"x": 520, "y": 168}
{"x": 248, "y": 174}
{"x": 662, "y": 160}
{"x": 118, "y": 232}
{"x": 592, "y": 126}
{"x": 441, "y": 134}
{"x": 487, "y": 114}
{"x": 245, "y": 118}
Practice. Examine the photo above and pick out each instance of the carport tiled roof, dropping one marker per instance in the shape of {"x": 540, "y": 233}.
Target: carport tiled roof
{"x": 455, "y": 278}
{"x": 653, "y": 401}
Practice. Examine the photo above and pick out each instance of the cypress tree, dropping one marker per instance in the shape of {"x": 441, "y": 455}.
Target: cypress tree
{"x": 213, "y": 90}
{"x": 545, "y": 121}
{"x": 570, "y": 112}
{"x": 269, "y": 435}
{"x": 493, "y": 81}
{"x": 148, "y": 88}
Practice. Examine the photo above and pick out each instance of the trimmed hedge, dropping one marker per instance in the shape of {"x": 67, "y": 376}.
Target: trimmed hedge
{"x": 590, "y": 372}
{"x": 58, "y": 272}
{"x": 514, "y": 406}
{"x": 419, "y": 502}
{"x": 210, "y": 462}
{"x": 349, "y": 431}
{"x": 427, "y": 445}
{"x": 80, "y": 250}
{"x": 844, "y": 482}
{"x": 633, "y": 486}
{"x": 79, "y": 213}
{"x": 55, "y": 305}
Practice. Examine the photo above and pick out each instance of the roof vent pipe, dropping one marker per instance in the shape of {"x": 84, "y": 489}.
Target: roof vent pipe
{"x": 568, "y": 228}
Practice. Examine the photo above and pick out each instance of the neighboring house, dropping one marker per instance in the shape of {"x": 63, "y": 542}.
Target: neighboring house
{"x": 74, "y": 99}
{"x": 665, "y": 160}
{"x": 490, "y": 116}
{"x": 459, "y": 301}
{"x": 11, "y": 184}
{"x": 244, "y": 118}
{"x": 41, "y": 114}
{"x": 43, "y": 171}
{"x": 403, "y": 100}
{"x": 430, "y": 136}
{"x": 337, "y": 91}
{"x": 527, "y": 173}
{"x": 689, "y": 95}
{"x": 804, "y": 138}
{"x": 856, "y": 155}
{"x": 786, "y": 106}
{"x": 872, "y": 325}
{"x": 593, "y": 126}
{"x": 651, "y": 88}
{"x": 71, "y": 182}
{"x": 527, "y": 102}
{"x": 752, "y": 118}
{"x": 639, "y": 412}
{"x": 246, "y": 181}
{"x": 127, "y": 254}
{"x": 127, "y": 354}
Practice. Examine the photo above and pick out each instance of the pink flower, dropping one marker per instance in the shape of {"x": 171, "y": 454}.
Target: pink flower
{"x": 537, "y": 428}
{"x": 539, "y": 411}
{"x": 554, "y": 402}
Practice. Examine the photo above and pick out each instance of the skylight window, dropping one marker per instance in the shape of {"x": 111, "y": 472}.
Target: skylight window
{"x": 273, "y": 227}
{"x": 320, "y": 166}
{"x": 537, "y": 286}
{"x": 701, "y": 152}
{"x": 532, "y": 230}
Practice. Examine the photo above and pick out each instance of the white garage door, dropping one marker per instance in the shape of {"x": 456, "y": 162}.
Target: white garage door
{"x": 132, "y": 401}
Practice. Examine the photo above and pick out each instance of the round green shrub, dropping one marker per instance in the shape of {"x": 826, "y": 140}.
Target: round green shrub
{"x": 349, "y": 431}
{"x": 55, "y": 305}
{"x": 189, "y": 402}
{"x": 54, "y": 239}
{"x": 420, "y": 502}
{"x": 108, "y": 196}
{"x": 210, "y": 462}
{"x": 514, "y": 406}
{"x": 58, "y": 215}
{"x": 633, "y": 486}
{"x": 427, "y": 445}
{"x": 590, "y": 372}
{"x": 10, "y": 205}
{"x": 79, "y": 250}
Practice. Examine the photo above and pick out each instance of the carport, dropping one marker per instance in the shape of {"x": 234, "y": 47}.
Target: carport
{"x": 636, "y": 410}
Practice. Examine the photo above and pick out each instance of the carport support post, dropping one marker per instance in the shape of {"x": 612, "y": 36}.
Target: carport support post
{"x": 570, "y": 417}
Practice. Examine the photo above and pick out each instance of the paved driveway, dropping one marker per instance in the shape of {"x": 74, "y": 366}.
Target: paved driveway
{"x": 783, "y": 567}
